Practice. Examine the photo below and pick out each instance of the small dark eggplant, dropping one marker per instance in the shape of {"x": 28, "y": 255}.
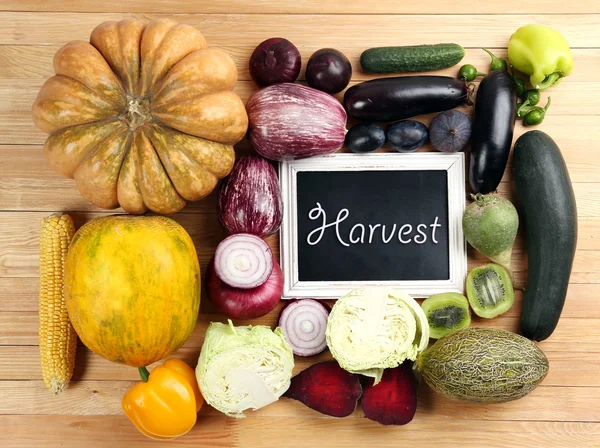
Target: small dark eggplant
{"x": 495, "y": 111}
{"x": 391, "y": 99}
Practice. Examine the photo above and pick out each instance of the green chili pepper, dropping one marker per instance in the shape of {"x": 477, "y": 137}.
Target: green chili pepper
{"x": 542, "y": 53}
{"x": 520, "y": 85}
{"x": 532, "y": 97}
{"x": 523, "y": 109}
{"x": 497, "y": 63}
{"x": 536, "y": 115}
{"x": 468, "y": 72}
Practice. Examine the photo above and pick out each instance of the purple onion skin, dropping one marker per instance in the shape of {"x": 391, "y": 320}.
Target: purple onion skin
{"x": 275, "y": 60}
{"x": 250, "y": 198}
{"x": 328, "y": 70}
{"x": 236, "y": 303}
{"x": 291, "y": 121}
{"x": 450, "y": 131}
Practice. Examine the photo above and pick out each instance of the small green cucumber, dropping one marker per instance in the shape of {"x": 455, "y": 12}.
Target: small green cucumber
{"x": 409, "y": 59}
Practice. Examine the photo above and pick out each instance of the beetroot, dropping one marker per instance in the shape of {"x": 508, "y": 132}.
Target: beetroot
{"x": 393, "y": 401}
{"x": 327, "y": 388}
{"x": 275, "y": 60}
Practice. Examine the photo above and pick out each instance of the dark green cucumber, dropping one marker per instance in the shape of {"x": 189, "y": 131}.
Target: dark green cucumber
{"x": 416, "y": 58}
{"x": 549, "y": 213}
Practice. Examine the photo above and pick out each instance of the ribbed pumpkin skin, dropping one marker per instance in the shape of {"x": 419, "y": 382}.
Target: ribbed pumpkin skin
{"x": 143, "y": 116}
{"x": 483, "y": 365}
{"x": 132, "y": 287}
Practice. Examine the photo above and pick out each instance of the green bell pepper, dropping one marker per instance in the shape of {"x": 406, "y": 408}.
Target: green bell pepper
{"x": 542, "y": 53}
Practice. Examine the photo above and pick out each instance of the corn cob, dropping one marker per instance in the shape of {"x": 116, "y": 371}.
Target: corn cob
{"x": 58, "y": 339}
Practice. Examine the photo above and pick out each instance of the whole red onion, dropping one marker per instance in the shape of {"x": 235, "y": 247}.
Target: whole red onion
{"x": 292, "y": 121}
{"x": 275, "y": 60}
{"x": 250, "y": 198}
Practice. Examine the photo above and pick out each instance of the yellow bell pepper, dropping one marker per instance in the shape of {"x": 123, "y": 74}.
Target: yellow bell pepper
{"x": 165, "y": 404}
{"x": 542, "y": 53}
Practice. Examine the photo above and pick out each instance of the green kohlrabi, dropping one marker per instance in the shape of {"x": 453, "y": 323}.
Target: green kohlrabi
{"x": 373, "y": 329}
{"x": 243, "y": 368}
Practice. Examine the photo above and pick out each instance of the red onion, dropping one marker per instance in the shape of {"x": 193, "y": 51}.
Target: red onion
{"x": 250, "y": 198}
{"x": 304, "y": 323}
{"x": 238, "y": 303}
{"x": 243, "y": 261}
{"x": 275, "y": 60}
{"x": 292, "y": 121}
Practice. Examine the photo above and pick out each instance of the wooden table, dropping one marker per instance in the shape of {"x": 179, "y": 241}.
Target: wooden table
{"x": 564, "y": 411}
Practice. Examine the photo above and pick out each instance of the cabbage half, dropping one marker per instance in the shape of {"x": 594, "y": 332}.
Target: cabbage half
{"x": 243, "y": 368}
{"x": 373, "y": 329}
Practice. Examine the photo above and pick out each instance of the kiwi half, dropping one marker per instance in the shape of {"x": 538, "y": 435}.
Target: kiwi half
{"x": 446, "y": 312}
{"x": 490, "y": 290}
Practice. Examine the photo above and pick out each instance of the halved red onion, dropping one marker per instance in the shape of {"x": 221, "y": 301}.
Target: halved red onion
{"x": 243, "y": 261}
{"x": 237, "y": 303}
{"x": 304, "y": 323}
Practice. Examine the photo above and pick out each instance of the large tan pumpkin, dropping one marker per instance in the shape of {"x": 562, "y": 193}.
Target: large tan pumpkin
{"x": 142, "y": 116}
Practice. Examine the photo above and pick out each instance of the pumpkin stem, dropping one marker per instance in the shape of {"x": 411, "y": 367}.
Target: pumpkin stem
{"x": 138, "y": 112}
{"x": 144, "y": 374}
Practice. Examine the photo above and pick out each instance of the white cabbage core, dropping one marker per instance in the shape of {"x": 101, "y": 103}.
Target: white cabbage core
{"x": 243, "y": 368}
{"x": 373, "y": 329}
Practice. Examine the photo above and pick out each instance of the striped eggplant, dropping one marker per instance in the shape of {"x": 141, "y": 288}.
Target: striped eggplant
{"x": 250, "y": 198}
{"x": 292, "y": 121}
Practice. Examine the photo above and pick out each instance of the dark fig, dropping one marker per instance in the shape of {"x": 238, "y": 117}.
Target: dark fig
{"x": 326, "y": 388}
{"x": 393, "y": 401}
{"x": 450, "y": 131}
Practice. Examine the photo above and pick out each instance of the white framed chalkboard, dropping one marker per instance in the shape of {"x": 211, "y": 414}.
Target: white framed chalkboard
{"x": 378, "y": 219}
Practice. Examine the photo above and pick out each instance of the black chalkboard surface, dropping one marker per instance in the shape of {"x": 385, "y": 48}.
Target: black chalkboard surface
{"x": 372, "y": 225}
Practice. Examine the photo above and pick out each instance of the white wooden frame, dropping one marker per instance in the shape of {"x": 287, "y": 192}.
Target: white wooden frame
{"x": 453, "y": 163}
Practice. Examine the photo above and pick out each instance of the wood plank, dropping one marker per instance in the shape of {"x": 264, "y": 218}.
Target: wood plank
{"x": 20, "y": 294}
{"x": 45, "y": 28}
{"x": 19, "y": 240}
{"x": 571, "y": 334}
{"x": 571, "y": 404}
{"x": 422, "y": 432}
{"x": 91, "y": 431}
{"x": 28, "y": 183}
{"x": 35, "y": 61}
{"x": 23, "y": 363}
{"x": 309, "y": 6}
{"x": 571, "y": 101}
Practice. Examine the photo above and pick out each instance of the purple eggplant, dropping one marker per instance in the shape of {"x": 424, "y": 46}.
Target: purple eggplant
{"x": 493, "y": 126}
{"x": 250, "y": 198}
{"x": 391, "y": 99}
{"x": 292, "y": 121}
